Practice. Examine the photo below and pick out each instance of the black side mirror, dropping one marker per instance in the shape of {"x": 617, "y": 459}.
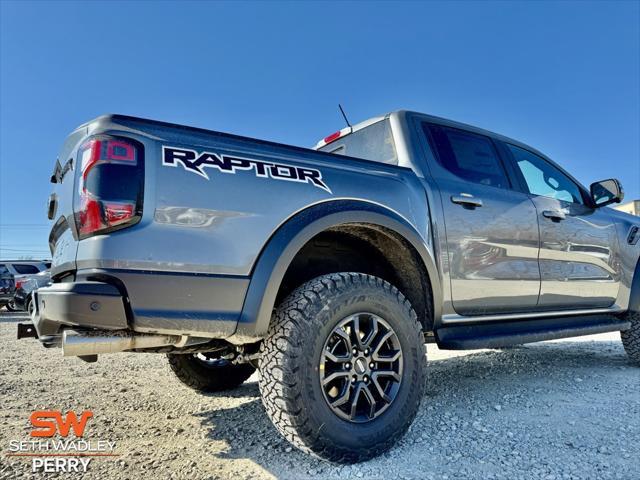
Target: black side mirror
{"x": 606, "y": 192}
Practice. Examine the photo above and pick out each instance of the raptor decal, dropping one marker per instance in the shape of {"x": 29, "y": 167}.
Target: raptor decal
{"x": 195, "y": 162}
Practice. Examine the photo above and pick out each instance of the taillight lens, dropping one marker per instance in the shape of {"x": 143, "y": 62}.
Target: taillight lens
{"x": 110, "y": 185}
{"x": 334, "y": 136}
{"x": 19, "y": 284}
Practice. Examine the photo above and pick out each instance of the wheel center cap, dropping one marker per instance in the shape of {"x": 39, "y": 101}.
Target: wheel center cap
{"x": 360, "y": 365}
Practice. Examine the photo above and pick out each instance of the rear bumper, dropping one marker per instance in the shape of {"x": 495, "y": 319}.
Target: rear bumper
{"x": 77, "y": 304}
{"x": 203, "y": 306}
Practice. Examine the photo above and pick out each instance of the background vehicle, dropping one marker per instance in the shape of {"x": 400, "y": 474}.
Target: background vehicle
{"x": 22, "y": 270}
{"x": 7, "y": 286}
{"x": 23, "y": 294}
{"x": 326, "y": 271}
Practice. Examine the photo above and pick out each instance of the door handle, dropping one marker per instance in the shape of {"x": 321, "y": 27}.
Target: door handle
{"x": 554, "y": 215}
{"x": 466, "y": 200}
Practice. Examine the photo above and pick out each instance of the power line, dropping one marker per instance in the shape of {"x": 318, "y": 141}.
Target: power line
{"x": 23, "y": 225}
{"x": 22, "y": 250}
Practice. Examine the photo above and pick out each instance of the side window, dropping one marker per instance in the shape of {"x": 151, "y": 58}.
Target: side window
{"x": 467, "y": 155}
{"x": 544, "y": 179}
{"x": 23, "y": 269}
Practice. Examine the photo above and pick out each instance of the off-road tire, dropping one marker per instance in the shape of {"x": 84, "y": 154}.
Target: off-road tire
{"x": 631, "y": 337}
{"x": 289, "y": 367}
{"x": 199, "y": 376}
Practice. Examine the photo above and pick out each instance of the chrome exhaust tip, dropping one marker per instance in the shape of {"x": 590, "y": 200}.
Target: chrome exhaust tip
{"x": 97, "y": 342}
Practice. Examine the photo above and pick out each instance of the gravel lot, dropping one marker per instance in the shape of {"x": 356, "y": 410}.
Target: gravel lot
{"x": 555, "y": 410}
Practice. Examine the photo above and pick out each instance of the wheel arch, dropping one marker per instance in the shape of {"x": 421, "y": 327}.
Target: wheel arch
{"x": 288, "y": 240}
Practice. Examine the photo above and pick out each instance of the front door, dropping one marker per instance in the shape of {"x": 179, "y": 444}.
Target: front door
{"x": 491, "y": 228}
{"x": 578, "y": 264}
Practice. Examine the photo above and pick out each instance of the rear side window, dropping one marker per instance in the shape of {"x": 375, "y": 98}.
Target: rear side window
{"x": 374, "y": 142}
{"x": 544, "y": 179}
{"x": 467, "y": 155}
{"x": 23, "y": 269}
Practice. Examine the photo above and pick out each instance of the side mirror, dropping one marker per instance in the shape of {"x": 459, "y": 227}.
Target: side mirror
{"x": 606, "y": 192}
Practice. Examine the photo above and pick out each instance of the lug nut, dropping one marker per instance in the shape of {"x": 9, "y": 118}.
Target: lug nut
{"x": 354, "y": 379}
{"x": 347, "y": 366}
{"x": 366, "y": 379}
{"x": 355, "y": 351}
{"x": 366, "y": 351}
{"x": 372, "y": 365}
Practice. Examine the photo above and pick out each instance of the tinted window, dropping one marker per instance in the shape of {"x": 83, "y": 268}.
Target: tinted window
{"x": 469, "y": 156}
{"x": 544, "y": 179}
{"x": 374, "y": 142}
{"x": 23, "y": 269}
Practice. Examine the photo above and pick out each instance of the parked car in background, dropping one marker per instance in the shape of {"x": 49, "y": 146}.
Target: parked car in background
{"x": 25, "y": 287}
{"x": 7, "y": 286}
{"x": 22, "y": 270}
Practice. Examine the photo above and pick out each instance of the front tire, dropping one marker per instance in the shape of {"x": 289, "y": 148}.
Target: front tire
{"x": 207, "y": 373}
{"x": 342, "y": 370}
{"x": 631, "y": 337}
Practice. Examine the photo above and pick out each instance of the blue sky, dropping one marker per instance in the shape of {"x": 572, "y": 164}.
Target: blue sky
{"x": 563, "y": 77}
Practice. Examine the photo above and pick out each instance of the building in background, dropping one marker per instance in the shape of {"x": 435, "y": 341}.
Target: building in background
{"x": 632, "y": 207}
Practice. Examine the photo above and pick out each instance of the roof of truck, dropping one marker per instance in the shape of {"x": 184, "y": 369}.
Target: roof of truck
{"x": 431, "y": 118}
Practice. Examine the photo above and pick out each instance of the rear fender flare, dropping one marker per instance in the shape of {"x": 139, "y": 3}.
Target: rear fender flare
{"x": 290, "y": 237}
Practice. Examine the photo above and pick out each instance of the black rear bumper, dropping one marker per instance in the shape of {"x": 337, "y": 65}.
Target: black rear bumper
{"x": 77, "y": 304}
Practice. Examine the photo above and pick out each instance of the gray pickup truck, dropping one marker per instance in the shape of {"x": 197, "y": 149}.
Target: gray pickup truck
{"x": 328, "y": 269}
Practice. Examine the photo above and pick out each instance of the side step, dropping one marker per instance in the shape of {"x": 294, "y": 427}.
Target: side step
{"x": 506, "y": 334}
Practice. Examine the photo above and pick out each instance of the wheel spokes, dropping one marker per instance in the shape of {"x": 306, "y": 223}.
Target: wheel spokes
{"x": 361, "y": 367}
{"x": 387, "y": 373}
{"x": 372, "y": 401}
{"x": 354, "y": 402}
{"x": 345, "y": 337}
{"x": 334, "y": 376}
{"x": 337, "y": 358}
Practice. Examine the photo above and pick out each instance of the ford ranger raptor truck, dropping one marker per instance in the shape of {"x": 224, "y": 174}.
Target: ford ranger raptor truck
{"x": 328, "y": 269}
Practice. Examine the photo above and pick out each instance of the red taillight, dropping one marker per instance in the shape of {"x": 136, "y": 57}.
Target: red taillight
{"x": 110, "y": 184}
{"x": 332, "y": 137}
{"x": 19, "y": 284}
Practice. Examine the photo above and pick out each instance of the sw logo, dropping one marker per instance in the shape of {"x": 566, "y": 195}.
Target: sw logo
{"x": 47, "y": 423}
{"x": 195, "y": 162}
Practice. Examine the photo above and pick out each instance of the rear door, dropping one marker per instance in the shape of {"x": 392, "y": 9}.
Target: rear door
{"x": 491, "y": 228}
{"x": 578, "y": 262}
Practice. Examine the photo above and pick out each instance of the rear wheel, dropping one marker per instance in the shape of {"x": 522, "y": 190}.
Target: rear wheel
{"x": 631, "y": 337}
{"x": 342, "y": 370}
{"x": 207, "y": 372}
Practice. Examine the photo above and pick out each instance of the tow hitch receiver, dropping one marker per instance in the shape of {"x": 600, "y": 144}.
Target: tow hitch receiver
{"x": 27, "y": 330}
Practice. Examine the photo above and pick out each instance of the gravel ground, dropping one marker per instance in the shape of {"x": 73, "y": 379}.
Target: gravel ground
{"x": 555, "y": 410}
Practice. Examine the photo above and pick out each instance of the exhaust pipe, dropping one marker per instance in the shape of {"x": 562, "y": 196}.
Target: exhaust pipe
{"x": 79, "y": 344}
